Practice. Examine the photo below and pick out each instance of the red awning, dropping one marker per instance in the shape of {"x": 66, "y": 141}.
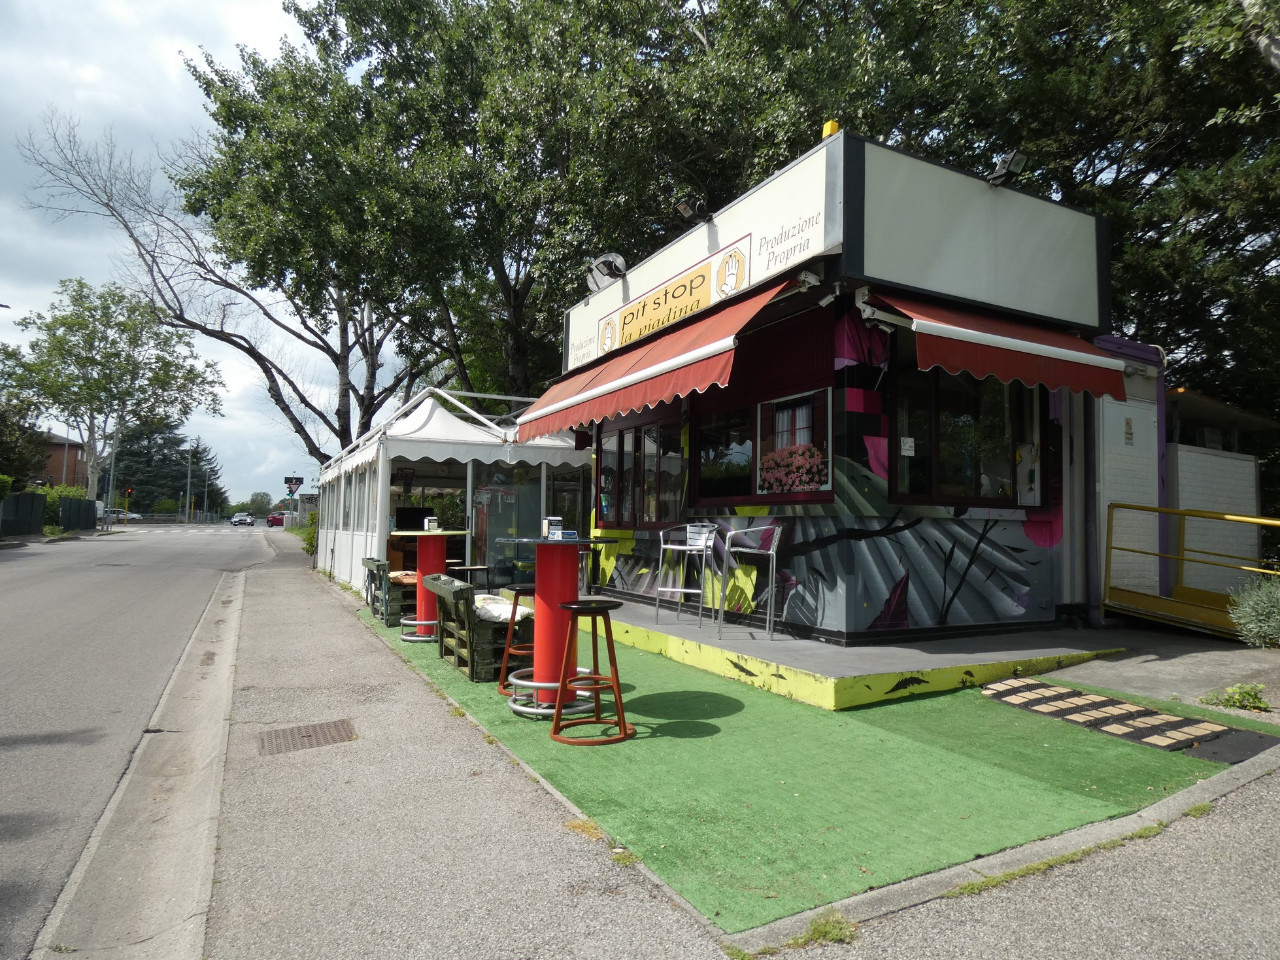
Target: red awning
{"x": 687, "y": 360}
{"x": 964, "y": 342}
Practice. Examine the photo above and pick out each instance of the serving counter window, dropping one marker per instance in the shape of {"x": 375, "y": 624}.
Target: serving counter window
{"x": 641, "y": 474}
{"x": 725, "y": 455}
{"x": 778, "y": 449}
{"x": 960, "y": 440}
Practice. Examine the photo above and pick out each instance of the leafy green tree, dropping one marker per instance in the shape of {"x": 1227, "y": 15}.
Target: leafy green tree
{"x": 154, "y": 459}
{"x": 102, "y": 361}
{"x": 201, "y": 286}
{"x": 53, "y": 502}
{"x": 23, "y": 447}
{"x": 260, "y": 504}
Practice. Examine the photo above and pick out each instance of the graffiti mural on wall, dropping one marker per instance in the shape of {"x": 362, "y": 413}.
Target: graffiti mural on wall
{"x": 863, "y": 566}
{"x": 845, "y": 575}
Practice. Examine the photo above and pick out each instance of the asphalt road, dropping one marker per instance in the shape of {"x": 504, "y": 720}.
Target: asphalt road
{"x": 90, "y": 632}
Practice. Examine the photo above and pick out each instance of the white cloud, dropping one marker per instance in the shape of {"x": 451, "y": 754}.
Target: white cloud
{"x": 118, "y": 64}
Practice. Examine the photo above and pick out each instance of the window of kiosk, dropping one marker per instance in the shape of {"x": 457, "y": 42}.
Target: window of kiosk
{"x": 725, "y": 443}
{"x": 795, "y": 444}
{"x": 641, "y": 474}
{"x": 771, "y": 451}
{"x": 960, "y": 440}
{"x": 607, "y": 506}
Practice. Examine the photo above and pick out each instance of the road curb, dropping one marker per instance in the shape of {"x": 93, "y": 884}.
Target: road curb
{"x": 142, "y": 886}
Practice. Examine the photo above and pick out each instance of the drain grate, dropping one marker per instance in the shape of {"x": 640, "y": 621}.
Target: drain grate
{"x": 271, "y": 742}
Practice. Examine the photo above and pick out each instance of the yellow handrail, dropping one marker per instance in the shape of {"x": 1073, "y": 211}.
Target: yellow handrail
{"x": 1182, "y": 604}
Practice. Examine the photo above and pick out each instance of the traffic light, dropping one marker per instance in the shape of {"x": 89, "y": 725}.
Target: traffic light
{"x": 129, "y": 491}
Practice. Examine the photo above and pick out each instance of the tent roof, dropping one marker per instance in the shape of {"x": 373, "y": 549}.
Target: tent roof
{"x": 428, "y": 428}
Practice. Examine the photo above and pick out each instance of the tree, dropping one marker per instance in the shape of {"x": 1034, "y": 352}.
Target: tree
{"x": 156, "y": 461}
{"x": 103, "y": 361}
{"x": 23, "y": 446}
{"x": 197, "y": 284}
{"x": 260, "y": 503}
{"x": 436, "y": 175}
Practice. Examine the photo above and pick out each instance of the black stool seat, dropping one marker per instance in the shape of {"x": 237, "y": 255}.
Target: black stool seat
{"x": 589, "y": 607}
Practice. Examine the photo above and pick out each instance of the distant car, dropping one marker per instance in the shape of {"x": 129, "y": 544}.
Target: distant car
{"x": 242, "y": 518}
{"x": 116, "y": 515}
{"x": 275, "y": 519}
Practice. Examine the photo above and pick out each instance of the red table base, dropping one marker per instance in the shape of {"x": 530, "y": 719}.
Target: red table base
{"x": 430, "y": 560}
{"x": 557, "y": 582}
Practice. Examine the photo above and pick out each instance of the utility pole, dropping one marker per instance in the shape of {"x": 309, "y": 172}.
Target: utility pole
{"x": 187, "y": 502}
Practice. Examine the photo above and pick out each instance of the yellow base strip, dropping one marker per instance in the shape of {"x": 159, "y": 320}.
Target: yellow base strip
{"x": 836, "y": 693}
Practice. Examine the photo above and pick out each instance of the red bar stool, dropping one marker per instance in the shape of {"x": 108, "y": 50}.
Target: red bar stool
{"x": 513, "y": 649}
{"x": 573, "y": 683}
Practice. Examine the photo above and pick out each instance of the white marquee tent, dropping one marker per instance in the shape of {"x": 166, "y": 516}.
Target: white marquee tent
{"x": 437, "y": 442}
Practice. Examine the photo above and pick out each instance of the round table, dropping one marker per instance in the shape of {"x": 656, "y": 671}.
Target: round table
{"x": 431, "y": 560}
{"x": 555, "y": 582}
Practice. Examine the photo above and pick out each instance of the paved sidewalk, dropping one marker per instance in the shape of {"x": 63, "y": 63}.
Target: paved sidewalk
{"x": 423, "y": 838}
{"x": 417, "y": 839}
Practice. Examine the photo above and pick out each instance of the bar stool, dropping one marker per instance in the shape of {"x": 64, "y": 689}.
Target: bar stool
{"x": 512, "y": 648}
{"x": 574, "y": 682}
{"x": 760, "y": 543}
{"x": 698, "y": 541}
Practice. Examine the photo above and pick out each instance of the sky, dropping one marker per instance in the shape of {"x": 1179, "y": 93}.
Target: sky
{"x": 119, "y": 65}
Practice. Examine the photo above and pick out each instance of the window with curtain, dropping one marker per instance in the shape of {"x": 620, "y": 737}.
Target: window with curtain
{"x": 795, "y": 444}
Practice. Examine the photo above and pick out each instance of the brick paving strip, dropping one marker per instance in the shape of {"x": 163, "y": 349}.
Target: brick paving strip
{"x": 1127, "y": 720}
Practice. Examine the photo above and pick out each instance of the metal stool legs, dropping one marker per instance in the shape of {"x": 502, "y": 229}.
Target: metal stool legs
{"x": 574, "y": 683}
{"x": 766, "y": 546}
{"x": 512, "y": 648}
{"x": 699, "y": 540}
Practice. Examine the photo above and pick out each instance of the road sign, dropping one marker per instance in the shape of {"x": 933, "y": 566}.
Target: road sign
{"x": 293, "y": 483}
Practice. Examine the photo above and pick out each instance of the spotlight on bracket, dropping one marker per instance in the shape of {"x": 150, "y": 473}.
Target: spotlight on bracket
{"x": 693, "y": 209}
{"x": 1008, "y": 166}
{"x": 807, "y": 280}
{"x": 605, "y": 270}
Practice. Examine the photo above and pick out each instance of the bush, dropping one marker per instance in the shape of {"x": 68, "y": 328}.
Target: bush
{"x": 1255, "y": 610}
{"x": 6, "y": 484}
{"x": 311, "y": 536}
{"x": 1242, "y": 696}
{"x": 52, "y": 500}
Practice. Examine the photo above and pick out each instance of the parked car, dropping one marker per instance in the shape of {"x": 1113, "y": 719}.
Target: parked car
{"x": 275, "y": 519}
{"x": 242, "y": 518}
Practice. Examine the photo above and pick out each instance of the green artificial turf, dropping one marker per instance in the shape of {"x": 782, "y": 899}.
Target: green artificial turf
{"x": 754, "y": 807}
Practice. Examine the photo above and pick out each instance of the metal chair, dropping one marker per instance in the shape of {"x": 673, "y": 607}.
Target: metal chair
{"x": 689, "y": 541}
{"x": 751, "y": 542}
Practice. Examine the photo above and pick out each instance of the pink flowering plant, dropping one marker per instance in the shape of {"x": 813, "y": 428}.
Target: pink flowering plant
{"x": 793, "y": 469}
